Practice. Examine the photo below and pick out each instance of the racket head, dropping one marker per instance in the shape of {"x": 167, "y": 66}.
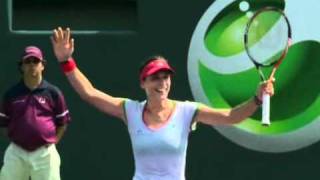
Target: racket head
{"x": 267, "y": 37}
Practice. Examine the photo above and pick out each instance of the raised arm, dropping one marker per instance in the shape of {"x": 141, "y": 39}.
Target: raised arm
{"x": 63, "y": 47}
{"x": 211, "y": 116}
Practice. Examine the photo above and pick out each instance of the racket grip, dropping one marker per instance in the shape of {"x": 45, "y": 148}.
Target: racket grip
{"x": 265, "y": 109}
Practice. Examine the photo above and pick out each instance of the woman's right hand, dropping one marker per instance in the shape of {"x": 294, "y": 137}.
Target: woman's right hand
{"x": 63, "y": 44}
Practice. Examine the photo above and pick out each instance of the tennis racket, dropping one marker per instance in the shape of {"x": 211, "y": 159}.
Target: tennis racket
{"x": 267, "y": 39}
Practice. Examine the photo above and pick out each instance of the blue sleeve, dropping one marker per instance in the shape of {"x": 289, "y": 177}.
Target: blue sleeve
{"x": 129, "y": 107}
{"x": 191, "y": 110}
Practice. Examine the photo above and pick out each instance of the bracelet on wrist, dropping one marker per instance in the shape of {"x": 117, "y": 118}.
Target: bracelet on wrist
{"x": 68, "y": 66}
{"x": 257, "y": 101}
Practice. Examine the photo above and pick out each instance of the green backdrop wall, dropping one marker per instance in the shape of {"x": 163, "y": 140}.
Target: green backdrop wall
{"x": 97, "y": 146}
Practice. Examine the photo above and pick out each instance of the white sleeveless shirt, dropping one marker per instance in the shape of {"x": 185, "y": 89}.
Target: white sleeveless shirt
{"x": 160, "y": 154}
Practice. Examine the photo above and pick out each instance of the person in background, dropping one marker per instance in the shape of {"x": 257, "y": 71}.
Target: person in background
{"x": 35, "y": 115}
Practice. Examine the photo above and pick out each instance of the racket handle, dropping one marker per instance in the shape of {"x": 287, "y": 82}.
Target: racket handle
{"x": 265, "y": 109}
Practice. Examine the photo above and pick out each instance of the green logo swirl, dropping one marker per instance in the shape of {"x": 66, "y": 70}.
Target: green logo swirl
{"x": 221, "y": 75}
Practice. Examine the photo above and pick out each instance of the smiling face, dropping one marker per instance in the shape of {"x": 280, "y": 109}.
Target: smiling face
{"x": 157, "y": 86}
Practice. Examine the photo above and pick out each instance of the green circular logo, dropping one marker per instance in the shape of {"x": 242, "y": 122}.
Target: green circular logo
{"x": 221, "y": 74}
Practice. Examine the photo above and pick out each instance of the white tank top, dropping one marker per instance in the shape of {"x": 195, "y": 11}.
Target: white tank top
{"x": 160, "y": 154}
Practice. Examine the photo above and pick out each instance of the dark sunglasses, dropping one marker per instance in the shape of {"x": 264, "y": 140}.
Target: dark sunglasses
{"x": 31, "y": 60}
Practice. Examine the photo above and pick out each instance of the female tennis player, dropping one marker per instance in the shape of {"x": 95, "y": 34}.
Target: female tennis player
{"x": 158, "y": 126}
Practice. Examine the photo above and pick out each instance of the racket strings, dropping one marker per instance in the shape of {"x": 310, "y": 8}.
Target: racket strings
{"x": 267, "y": 37}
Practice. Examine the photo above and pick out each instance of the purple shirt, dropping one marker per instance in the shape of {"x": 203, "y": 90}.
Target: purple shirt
{"x": 32, "y": 116}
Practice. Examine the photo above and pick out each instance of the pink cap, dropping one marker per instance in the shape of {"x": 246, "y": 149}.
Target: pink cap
{"x": 154, "y": 67}
{"x": 32, "y": 51}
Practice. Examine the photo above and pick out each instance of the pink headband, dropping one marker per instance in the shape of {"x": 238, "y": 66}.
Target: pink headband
{"x": 154, "y": 67}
